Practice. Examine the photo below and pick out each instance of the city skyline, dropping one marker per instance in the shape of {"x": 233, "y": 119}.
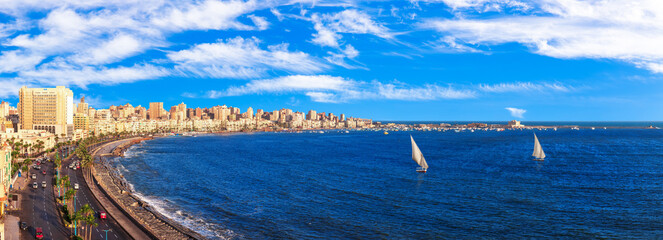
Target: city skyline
{"x": 446, "y": 60}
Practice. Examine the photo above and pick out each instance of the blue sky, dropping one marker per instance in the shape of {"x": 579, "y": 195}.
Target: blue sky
{"x": 541, "y": 60}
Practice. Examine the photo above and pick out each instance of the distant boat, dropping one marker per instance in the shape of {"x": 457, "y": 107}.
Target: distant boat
{"x": 418, "y": 157}
{"x": 538, "y": 153}
{"x": 385, "y": 133}
{"x": 347, "y": 131}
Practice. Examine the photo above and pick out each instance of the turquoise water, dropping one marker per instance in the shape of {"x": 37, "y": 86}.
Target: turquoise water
{"x": 363, "y": 185}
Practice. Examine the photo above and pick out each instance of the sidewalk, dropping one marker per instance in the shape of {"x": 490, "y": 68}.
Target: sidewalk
{"x": 12, "y": 232}
{"x": 123, "y": 220}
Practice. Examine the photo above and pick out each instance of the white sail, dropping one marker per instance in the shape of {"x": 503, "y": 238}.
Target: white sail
{"x": 417, "y": 156}
{"x": 538, "y": 151}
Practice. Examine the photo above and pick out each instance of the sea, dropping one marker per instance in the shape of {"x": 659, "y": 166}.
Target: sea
{"x": 603, "y": 183}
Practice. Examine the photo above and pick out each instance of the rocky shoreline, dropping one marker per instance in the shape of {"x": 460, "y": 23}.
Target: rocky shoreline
{"x": 114, "y": 184}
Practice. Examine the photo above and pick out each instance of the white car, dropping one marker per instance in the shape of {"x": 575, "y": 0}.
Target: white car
{"x": 34, "y": 176}
{"x": 43, "y": 184}
{"x": 76, "y": 186}
{"x": 34, "y": 185}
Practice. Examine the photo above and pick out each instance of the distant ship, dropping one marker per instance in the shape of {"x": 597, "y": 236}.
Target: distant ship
{"x": 538, "y": 153}
{"x": 418, "y": 157}
{"x": 385, "y": 132}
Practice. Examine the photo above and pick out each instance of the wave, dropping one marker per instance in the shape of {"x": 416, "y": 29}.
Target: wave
{"x": 195, "y": 223}
{"x": 133, "y": 151}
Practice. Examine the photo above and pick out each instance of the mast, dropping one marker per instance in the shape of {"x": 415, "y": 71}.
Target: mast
{"x": 538, "y": 151}
{"x": 417, "y": 156}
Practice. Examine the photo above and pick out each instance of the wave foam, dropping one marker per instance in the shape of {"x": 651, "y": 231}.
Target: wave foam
{"x": 168, "y": 209}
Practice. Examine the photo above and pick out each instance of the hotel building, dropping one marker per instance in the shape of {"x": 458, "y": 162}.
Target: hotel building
{"x": 50, "y": 109}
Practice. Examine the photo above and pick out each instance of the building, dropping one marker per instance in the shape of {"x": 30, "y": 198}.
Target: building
{"x": 82, "y": 122}
{"x": 312, "y": 115}
{"x": 82, "y": 106}
{"x": 5, "y": 175}
{"x": 156, "y": 108}
{"x": 4, "y": 110}
{"x": 50, "y": 109}
{"x": 515, "y": 124}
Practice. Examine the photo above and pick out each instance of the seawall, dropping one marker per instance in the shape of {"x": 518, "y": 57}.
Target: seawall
{"x": 116, "y": 188}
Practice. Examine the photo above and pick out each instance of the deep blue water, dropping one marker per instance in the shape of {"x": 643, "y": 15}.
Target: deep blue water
{"x": 363, "y": 185}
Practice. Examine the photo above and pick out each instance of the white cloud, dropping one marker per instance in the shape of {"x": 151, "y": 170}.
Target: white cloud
{"x": 9, "y": 87}
{"x": 620, "y": 30}
{"x": 348, "y": 21}
{"x": 331, "y": 89}
{"x": 482, "y": 5}
{"x": 292, "y": 83}
{"x": 516, "y": 112}
{"x": 260, "y": 22}
{"x": 339, "y": 58}
{"x": 64, "y": 74}
{"x": 118, "y": 48}
{"x": 224, "y": 58}
{"x": 524, "y": 87}
{"x": 15, "y": 61}
{"x": 206, "y": 15}
{"x": 427, "y": 92}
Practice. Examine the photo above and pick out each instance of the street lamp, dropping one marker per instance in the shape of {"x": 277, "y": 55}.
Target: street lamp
{"x": 107, "y": 232}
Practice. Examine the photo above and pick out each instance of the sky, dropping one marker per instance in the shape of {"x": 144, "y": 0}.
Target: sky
{"x": 433, "y": 60}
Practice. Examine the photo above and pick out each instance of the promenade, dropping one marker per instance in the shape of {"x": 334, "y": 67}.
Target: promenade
{"x": 134, "y": 215}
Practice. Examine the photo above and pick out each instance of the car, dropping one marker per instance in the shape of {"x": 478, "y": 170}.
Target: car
{"x": 76, "y": 186}
{"x": 24, "y": 225}
{"x": 39, "y": 233}
{"x": 34, "y": 185}
{"x": 71, "y": 166}
{"x": 34, "y": 176}
{"x": 38, "y": 162}
{"x": 43, "y": 172}
{"x": 38, "y": 166}
{"x": 102, "y": 215}
{"x": 43, "y": 184}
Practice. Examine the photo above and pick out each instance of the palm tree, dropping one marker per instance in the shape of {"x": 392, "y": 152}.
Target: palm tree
{"x": 69, "y": 196}
{"x": 88, "y": 219}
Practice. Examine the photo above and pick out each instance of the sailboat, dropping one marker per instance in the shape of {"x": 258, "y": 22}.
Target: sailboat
{"x": 418, "y": 157}
{"x": 538, "y": 153}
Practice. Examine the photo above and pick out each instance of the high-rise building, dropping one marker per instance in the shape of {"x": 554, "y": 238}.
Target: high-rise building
{"x": 50, "y": 109}
{"x": 82, "y": 106}
{"x": 312, "y": 115}
{"x": 4, "y": 110}
{"x": 156, "y": 108}
{"x": 249, "y": 113}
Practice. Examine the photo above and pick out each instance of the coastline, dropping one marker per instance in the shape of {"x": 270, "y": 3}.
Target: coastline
{"x": 120, "y": 192}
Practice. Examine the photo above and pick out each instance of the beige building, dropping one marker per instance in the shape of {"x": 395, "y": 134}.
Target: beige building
{"x": 50, "y": 109}
{"x": 515, "y": 124}
{"x": 156, "y": 108}
{"x": 82, "y": 106}
{"x": 5, "y": 176}
{"x": 82, "y": 122}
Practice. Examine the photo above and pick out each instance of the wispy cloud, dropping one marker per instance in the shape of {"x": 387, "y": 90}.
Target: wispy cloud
{"x": 239, "y": 57}
{"x": 567, "y": 29}
{"x": 332, "y": 89}
{"x": 524, "y": 87}
{"x": 516, "y": 112}
{"x": 328, "y": 27}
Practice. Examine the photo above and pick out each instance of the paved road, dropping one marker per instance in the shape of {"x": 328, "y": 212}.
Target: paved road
{"x": 84, "y": 196}
{"x": 39, "y": 206}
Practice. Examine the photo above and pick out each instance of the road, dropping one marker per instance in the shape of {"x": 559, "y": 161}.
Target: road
{"x": 39, "y": 209}
{"x": 39, "y": 205}
{"x": 84, "y": 196}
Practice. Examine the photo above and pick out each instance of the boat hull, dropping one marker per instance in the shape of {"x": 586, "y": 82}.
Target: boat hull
{"x": 538, "y": 159}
